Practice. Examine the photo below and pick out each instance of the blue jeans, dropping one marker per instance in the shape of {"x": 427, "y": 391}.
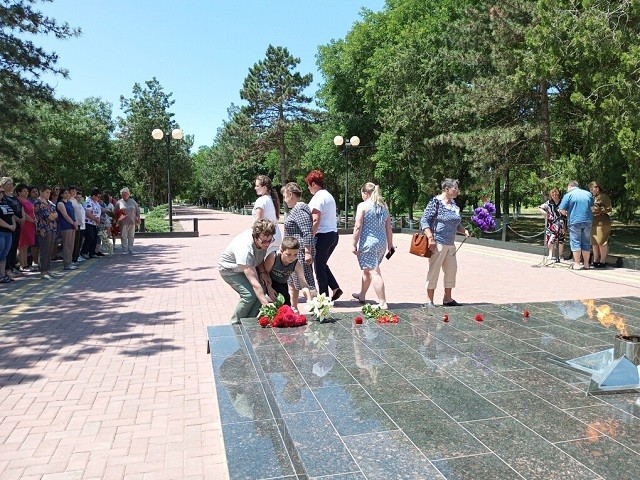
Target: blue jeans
{"x": 5, "y": 245}
{"x": 580, "y": 236}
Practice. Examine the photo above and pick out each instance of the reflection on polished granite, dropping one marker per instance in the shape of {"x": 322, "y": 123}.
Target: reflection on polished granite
{"x": 425, "y": 399}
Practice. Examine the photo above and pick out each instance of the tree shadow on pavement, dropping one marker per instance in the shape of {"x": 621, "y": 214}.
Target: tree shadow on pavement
{"x": 110, "y": 306}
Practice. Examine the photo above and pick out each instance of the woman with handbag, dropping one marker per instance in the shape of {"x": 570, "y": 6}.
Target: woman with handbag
{"x": 440, "y": 222}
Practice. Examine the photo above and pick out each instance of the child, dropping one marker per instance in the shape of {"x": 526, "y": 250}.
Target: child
{"x": 278, "y": 267}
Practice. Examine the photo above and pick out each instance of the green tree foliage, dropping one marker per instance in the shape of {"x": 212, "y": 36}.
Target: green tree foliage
{"x": 143, "y": 159}
{"x": 276, "y": 101}
{"x": 72, "y": 144}
{"x": 22, "y": 63}
{"x": 227, "y": 170}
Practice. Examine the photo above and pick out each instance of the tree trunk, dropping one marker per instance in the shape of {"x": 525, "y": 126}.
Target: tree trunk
{"x": 507, "y": 186}
{"x": 497, "y": 196}
{"x": 545, "y": 124}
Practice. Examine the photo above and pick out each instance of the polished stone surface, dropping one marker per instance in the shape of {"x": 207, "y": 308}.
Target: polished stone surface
{"x": 425, "y": 398}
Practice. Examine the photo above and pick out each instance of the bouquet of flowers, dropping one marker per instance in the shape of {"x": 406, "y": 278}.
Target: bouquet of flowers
{"x": 483, "y": 220}
{"x": 105, "y": 240}
{"x": 118, "y": 214}
{"x": 320, "y": 306}
{"x": 279, "y": 315}
{"x": 380, "y": 315}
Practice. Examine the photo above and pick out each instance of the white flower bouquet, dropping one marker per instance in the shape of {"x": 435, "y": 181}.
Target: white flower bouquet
{"x": 320, "y": 306}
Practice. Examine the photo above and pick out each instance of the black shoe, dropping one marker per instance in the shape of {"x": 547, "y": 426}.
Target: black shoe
{"x": 100, "y": 254}
{"x": 336, "y": 294}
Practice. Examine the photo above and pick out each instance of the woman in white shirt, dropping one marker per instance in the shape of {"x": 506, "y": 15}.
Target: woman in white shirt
{"x": 325, "y": 230}
{"x": 267, "y": 207}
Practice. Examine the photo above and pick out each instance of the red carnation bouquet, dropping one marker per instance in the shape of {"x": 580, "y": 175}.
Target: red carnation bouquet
{"x": 380, "y": 315}
{"x": 279, "y": 315}
{"x": 118, "y": 215}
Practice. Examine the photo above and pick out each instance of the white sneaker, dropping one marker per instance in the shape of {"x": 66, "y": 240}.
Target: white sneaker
{"x": 70, "y": 267}
{"x": 46, "y": 276}
{"x": 80, "y": 259}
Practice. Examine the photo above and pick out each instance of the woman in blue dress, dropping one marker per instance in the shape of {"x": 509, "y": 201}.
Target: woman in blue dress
{"x": 372, "y": 237}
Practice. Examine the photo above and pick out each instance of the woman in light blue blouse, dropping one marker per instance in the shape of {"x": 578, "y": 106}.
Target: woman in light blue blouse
{"x": 441, "y": 220}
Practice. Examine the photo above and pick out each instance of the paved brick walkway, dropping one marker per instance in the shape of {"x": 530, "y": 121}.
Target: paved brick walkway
{"x": 104, "y": 372}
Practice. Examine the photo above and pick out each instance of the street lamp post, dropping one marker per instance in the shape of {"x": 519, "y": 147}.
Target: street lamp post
{"x": 339, "y": 141}
{"x": 158, "y": 134}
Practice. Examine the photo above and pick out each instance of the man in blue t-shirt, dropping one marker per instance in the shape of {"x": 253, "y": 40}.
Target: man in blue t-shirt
{"x": 577, "y": 205}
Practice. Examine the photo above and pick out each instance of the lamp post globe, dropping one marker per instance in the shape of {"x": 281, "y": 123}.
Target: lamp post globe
{"x": 340, "y": 141}
{"x": 157, "y": 134}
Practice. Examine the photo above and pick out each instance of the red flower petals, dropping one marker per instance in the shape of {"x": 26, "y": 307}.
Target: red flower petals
{"x": 284, "y": 317}
{"x": 525, "y": 314}
{"x": 479, "y": 317}
{"x": 358, "y": 320}
{"x": 388, "y": 318}
{"x": 445, "y": 318}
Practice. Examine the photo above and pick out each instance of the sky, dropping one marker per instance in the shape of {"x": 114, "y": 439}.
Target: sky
{"x": 199, "y": 50}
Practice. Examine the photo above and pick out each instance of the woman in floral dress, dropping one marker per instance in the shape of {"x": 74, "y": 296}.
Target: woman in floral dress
{"x": 46, "y": 228}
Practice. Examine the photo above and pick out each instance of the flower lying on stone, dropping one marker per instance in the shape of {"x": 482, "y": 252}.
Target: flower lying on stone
{"x": 380, "y": 315}
{"x": 479, "y": 317}
{"x": 445, "y": 318}
{"x": 279, "y": 315}
{"x": 358, "y": 320}
{"x": 320, "y": 306}
{"x": 525, "y": 314}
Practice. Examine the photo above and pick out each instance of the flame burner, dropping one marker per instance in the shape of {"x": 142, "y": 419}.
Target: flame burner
{"x": 613, "y": 370}
{"x": 627, "y": 345}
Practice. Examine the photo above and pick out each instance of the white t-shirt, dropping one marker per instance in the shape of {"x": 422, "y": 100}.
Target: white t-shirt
{"x": 240, "y": 252}
{"x": 324, "y": 202}
{"x": 265, "y": 202}
{"x": 79, "y": 212}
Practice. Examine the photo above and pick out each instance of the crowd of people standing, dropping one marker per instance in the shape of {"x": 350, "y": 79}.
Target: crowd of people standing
{"x": 44, "y": 221}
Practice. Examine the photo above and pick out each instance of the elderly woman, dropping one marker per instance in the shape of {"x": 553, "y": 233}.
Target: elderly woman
{"x": 325, "y": 229}
{"x": 129, "y": 221}
{"x": 601, "y": 226}
{"x": 237, "y": 267}
{"x": 372, "y": 237}
{"x": 267, "y": 206}
{"x": 441, "y": 221}
{"x": 556, "y": 225}
{"x": 298, "y": 224}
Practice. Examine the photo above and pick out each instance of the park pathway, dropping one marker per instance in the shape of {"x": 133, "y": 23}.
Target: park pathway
{"x": 104, "y": 372}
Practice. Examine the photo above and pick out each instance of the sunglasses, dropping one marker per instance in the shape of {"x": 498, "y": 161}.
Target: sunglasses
{"x": 266, "y": 241}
